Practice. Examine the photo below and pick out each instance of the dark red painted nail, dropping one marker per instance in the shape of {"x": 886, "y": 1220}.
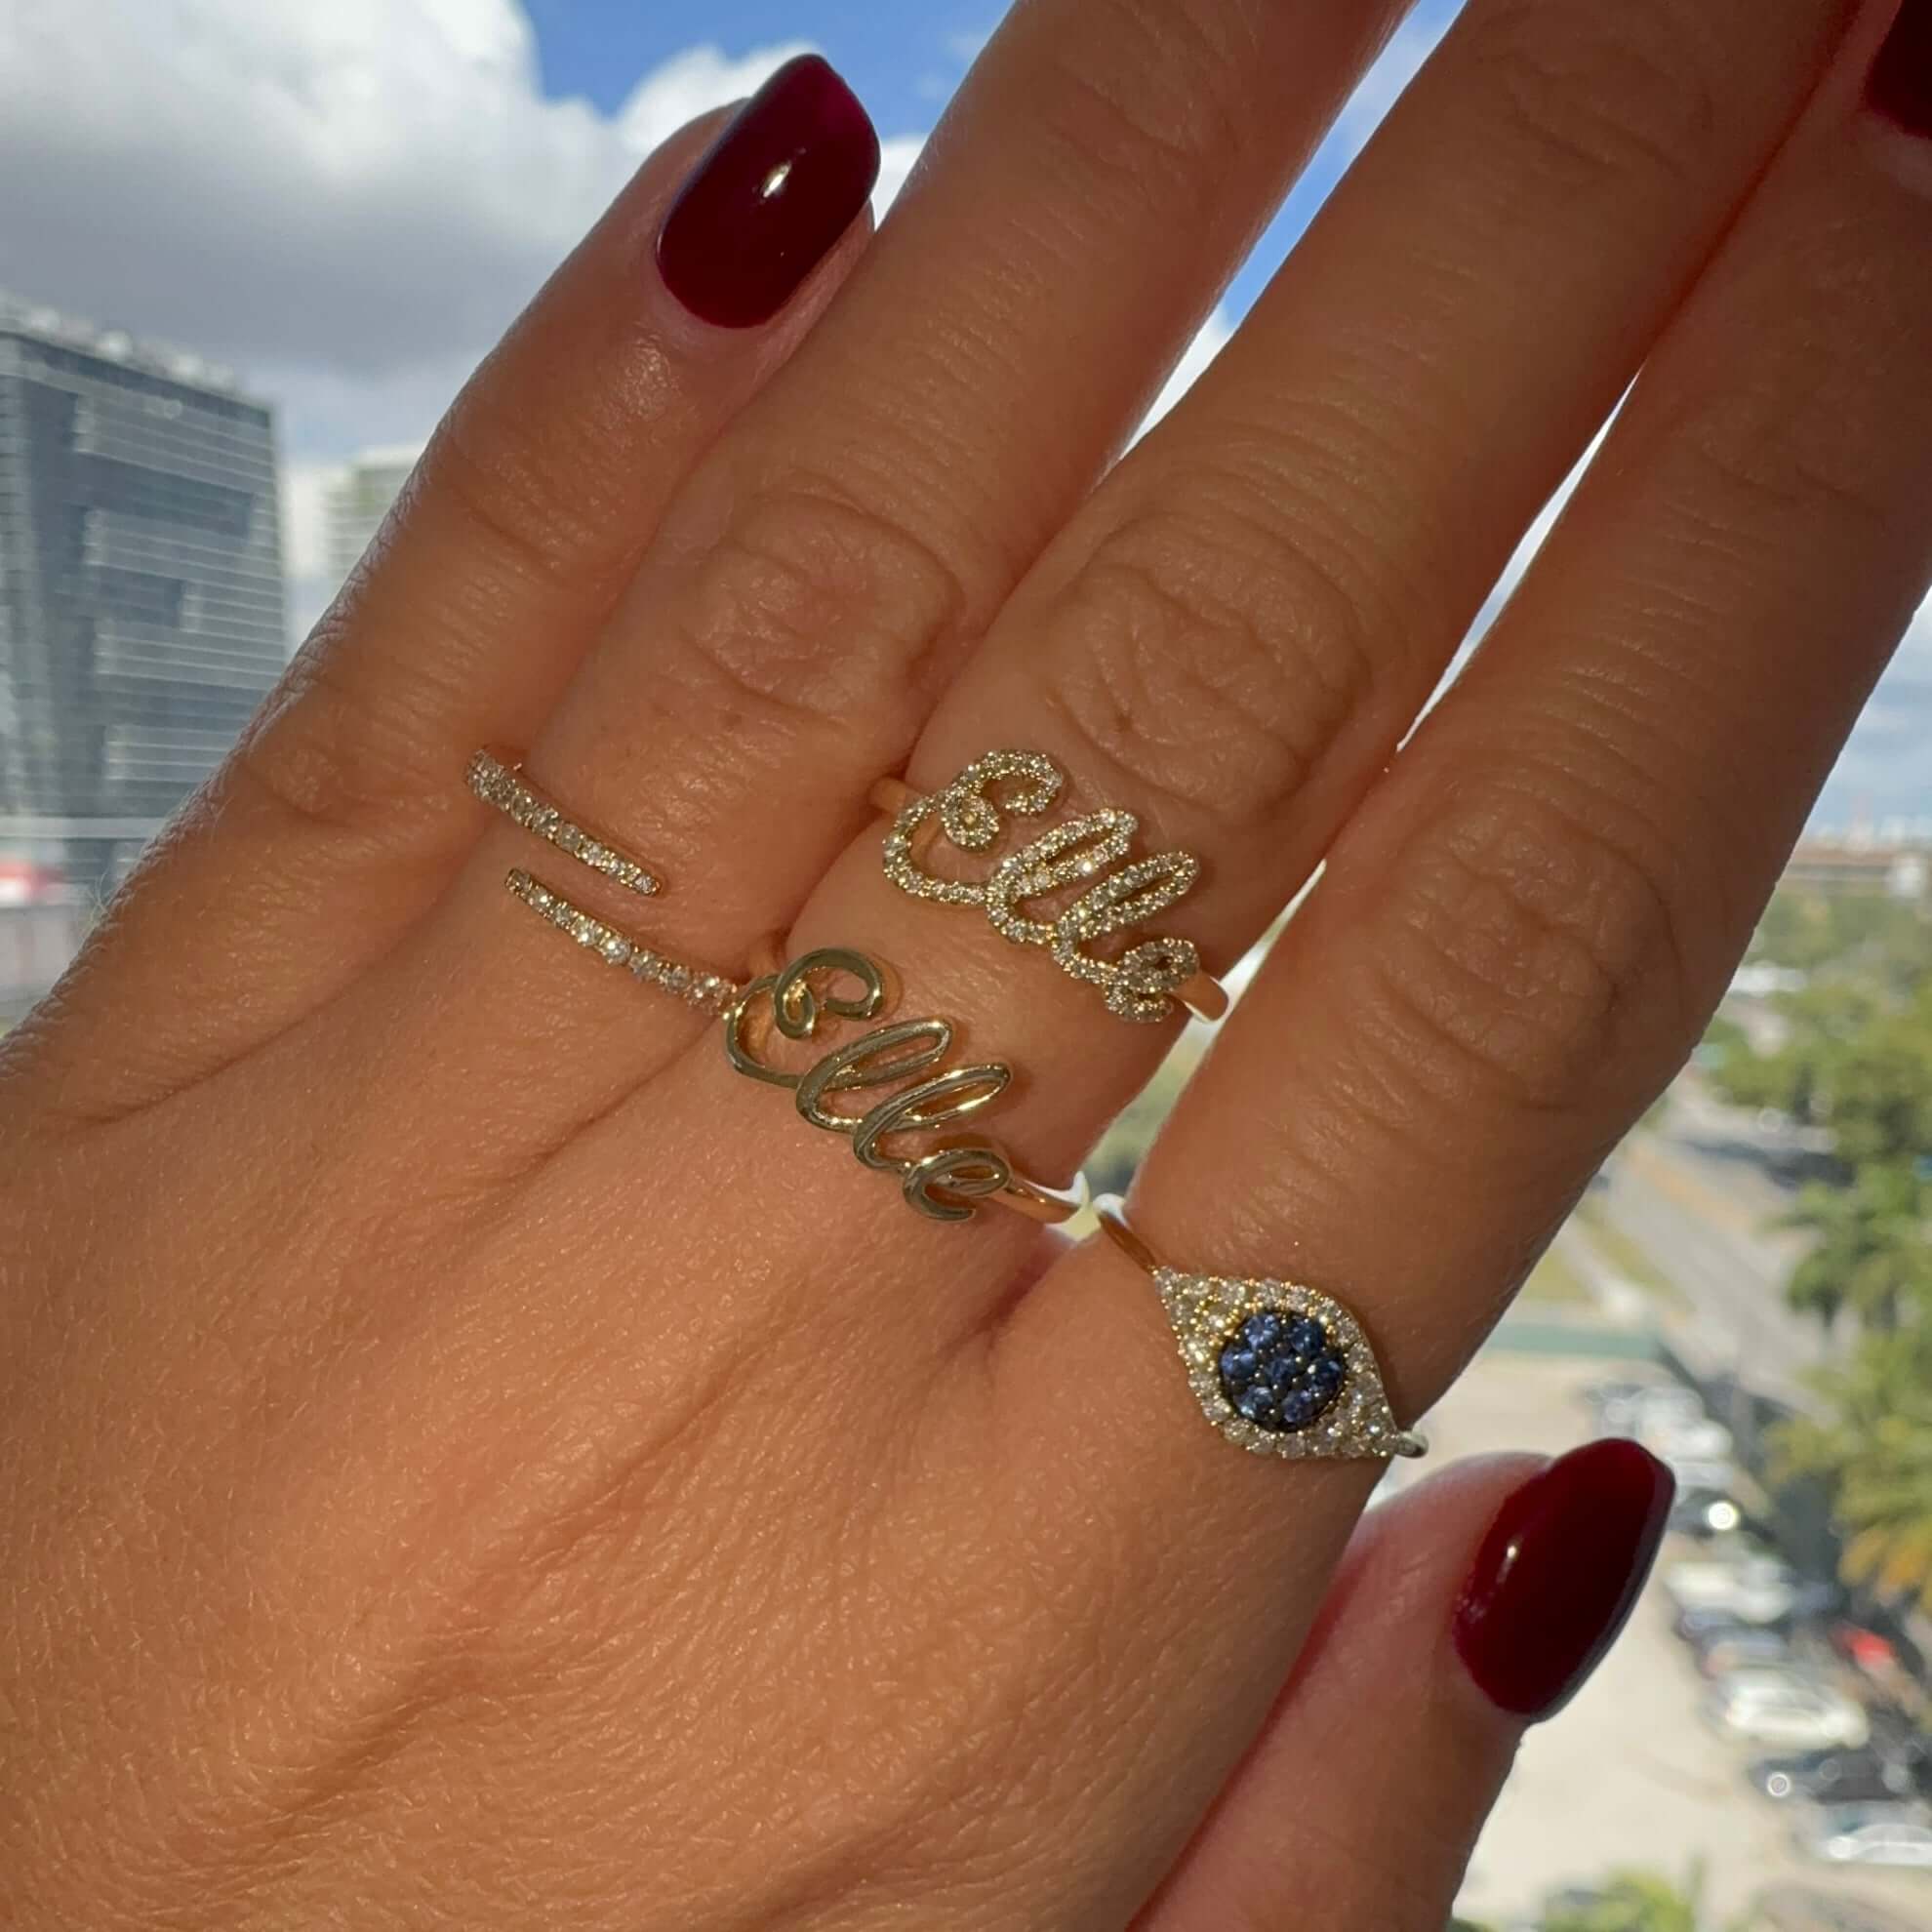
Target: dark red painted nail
{"x": 1900, "y": 82}
{"x": 1558, "y": 1572}
{"x": 778, "y": 187}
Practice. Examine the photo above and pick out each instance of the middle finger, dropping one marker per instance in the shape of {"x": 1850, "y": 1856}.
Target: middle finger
{"x": 827, "y": 565}
{"x": 1234, "y": 633}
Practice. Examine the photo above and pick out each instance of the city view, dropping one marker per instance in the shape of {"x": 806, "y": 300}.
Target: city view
{"x": 1746, "y": 1285}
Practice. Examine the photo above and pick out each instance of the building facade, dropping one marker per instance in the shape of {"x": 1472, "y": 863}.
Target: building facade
{"x": 1897, "y": 864}
{"x": 360, "y": 499}
{"x": 141, "y": 585}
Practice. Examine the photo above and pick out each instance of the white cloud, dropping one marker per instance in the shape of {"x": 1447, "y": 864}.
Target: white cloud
{"x": 357, "y": 184}
{"x": 688, "y": 83}
{"x": 896, "y": 154}
{"x": 350, "y": 201}
{"x": 1886, "y": 769}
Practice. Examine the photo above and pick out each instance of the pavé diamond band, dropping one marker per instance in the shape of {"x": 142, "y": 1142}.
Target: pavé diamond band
{"x": 1280, "y": 1369}
{"x": 1089, "y": 853}
{"x": 497, "y": 779}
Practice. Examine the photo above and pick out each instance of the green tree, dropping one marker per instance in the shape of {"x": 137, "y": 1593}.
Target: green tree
{"x": 1873, "y": 1445}
{"x": 1877, "y": 1081}
{"x": 1857, "y": 1057}
{"x": 1637, "y": 1902}
{"x": 1883, "y": 939}
{"x": 1873, "y": 1258}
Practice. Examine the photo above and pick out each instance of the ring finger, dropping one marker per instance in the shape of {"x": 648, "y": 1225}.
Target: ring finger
{"x": 1517, "y": 939}
{"x": 1234, "y": 635}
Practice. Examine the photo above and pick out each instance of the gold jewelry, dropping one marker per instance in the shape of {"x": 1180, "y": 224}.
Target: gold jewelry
{"x": 1144, "y": 981}
{"x": 945, "y": 1182}
{"x": 498, "y": 782}
{"x": 1280, "y": 1369}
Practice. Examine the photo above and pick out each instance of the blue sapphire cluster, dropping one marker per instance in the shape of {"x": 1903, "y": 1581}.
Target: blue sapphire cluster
{"x": 1282, "y": 1371}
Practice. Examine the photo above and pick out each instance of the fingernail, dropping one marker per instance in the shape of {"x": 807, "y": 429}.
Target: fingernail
{"x": 1558, "y": 1572}
{"x": 1900, "y": 86}
{"x": 778, "y": 187}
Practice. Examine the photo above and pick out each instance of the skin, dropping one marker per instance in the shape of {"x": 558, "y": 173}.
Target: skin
{"x": 468, "y": 1460}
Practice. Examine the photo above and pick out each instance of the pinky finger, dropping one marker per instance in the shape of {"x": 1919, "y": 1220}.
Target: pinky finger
{"x": 1470, "y": 1607}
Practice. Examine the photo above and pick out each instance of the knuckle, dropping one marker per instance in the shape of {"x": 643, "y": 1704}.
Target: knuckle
{"x": 1152, "y": 102}
{"x": 535, "y": 510}
{"x": 1535, "y": 953}
{"x": 1787, "y": 451}
{"x": 1205, "y": 663}
{"x": 325, "y": 756}
{"x": 1600, "y": 93}
{"x": 812, "y": 603}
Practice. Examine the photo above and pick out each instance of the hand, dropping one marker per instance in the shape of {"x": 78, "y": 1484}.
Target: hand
{"x": 471, "y": 1459}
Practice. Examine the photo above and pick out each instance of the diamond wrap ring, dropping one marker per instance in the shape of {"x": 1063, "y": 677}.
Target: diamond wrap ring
{"x": 498, "y": 779}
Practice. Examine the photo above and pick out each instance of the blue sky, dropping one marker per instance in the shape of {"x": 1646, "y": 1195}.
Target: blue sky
{"x": 903, "y": 61}
{"x": 349, "y": 200}
{"x": 896, "y": 57}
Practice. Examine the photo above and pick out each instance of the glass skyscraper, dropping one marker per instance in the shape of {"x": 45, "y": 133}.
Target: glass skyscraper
{"x": 360, "y": 499}
{"x": 140, "y": 585}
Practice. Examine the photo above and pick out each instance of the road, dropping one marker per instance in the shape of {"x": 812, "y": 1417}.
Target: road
{"x": 1701, "y": 1194}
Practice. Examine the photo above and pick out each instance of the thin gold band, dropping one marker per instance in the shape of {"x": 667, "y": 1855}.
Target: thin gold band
{"x": 1110, "y": 1212}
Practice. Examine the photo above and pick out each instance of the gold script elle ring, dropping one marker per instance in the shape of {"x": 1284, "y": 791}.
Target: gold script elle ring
{"x": 1088, "y": 855}
{"x": 941, "y": 1175}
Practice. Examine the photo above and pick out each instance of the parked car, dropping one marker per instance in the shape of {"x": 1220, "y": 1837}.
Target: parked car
{"x": 1697, "y": 1627}
{"x": 1703, "y": 1511}
{"x": 1627, "y": 1406}
{"x": 1695, "y": 1473}
{"x": 1760, "y": 1589}
{"x": 1747, "y": 1647}
{"x": 1785, "y": 1708}
{"x": 1685, "y": 1440}
{"x": 1617, "y": 1391}
{"x": 1655, "y": 1407}
{"x": 1869, "y": 1835}
{"x": 1866, "y": 1775}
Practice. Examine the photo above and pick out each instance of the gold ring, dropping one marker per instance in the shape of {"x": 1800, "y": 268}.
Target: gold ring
{"x": 1091, "y": 850}
{"x": 498, "y": 779}
{"x": 1279, "y": 1368}
{"x": 943, "y": 1177}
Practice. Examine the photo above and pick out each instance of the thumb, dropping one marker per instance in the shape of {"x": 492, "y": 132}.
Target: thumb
{"x": 1472, "y": 1606}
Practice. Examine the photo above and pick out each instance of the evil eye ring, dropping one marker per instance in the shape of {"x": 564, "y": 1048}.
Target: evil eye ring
{"x": 1279, "y": 1368}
